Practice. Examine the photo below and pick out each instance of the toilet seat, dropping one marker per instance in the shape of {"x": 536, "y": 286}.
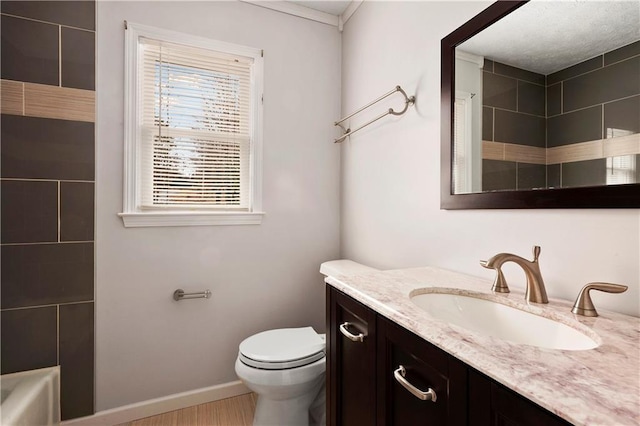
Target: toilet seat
{"x": 282, "y": 348}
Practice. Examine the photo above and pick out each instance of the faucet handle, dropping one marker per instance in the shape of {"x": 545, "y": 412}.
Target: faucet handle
{"x": 500, "y": 283}
{"x": 536, "y": 253}
{"x": 584, "y": 304}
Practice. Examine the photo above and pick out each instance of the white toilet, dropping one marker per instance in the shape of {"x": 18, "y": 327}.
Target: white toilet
{"x": 286, "y": 367}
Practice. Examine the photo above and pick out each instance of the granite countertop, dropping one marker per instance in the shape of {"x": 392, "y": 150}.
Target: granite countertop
{"x": 600, "y": 386}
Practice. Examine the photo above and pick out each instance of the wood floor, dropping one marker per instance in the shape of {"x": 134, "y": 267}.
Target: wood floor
{"x": 236, "y": 411}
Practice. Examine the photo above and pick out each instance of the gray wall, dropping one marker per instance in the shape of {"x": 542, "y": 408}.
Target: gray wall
{"x": 261, "y": 276}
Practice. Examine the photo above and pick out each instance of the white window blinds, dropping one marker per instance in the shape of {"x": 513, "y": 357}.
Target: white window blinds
{"x": 462, "y": 145}
{"x": 194, "y": 127}
{"x": 621, "y": 170}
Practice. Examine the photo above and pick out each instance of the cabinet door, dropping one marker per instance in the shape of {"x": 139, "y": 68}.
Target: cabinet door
{"x": 351, "y": 380}
{"x": 491, "y": 404}
{"x": 510, "y": 409}
{"x": 424, "y": 367}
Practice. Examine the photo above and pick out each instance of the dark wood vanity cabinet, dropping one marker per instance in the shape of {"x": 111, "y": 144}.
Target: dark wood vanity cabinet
{"x": 351, "y": 377}
{"x": 362, "y": 389}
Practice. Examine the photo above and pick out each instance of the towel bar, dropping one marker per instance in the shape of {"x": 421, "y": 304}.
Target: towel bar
{"x": 408, "y": 101}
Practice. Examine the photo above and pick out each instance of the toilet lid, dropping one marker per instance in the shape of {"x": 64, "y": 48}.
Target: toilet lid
{"x": 283, "y": 345}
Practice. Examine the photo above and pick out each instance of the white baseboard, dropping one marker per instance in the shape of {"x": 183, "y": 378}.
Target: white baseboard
{"x": 161, "y": 405}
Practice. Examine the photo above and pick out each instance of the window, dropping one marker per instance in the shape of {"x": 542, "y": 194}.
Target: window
{"x": 621, "y": 169}
{"x": 462, "y": 143}
{"x": 192, "y": 130}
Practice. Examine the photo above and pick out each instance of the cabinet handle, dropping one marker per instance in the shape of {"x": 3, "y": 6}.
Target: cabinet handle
{"x": 353, "y": 337}
{"x": 429, "y": 395}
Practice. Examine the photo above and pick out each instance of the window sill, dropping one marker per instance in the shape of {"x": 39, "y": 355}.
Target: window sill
{"x": 149, "y": 219}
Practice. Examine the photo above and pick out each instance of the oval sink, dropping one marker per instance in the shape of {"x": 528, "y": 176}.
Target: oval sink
{"x": 498, "y": 320}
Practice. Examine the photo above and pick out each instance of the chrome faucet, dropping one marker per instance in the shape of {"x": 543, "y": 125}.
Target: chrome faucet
{"x": 536, "y": 291}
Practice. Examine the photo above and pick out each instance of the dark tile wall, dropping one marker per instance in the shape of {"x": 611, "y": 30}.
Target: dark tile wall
{"x": 553, "y": 176}
{"x": 531, "y": 176}
{"x": 616, "y": 81}
{"x": 29, "y": 338}
{"x": 574, "y": 127}
{"x": 78, "y": 68}
{"x": 584, "y": 173}
{"x": 623, "y": 115}
{"x": 44, "y": 148}
{"x": 515, "y": 100}
{"x": 29, "y": 51}
{"x": 587, "y": 102}
{"x": 47, "y": 167}
{"x": 509, "y": 176}
{"x": 523, "y": 129}
{"x": 498, "y": 175}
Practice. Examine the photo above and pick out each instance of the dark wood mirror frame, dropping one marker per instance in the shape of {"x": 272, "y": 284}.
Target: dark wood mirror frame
{"x": 612, "y": 196}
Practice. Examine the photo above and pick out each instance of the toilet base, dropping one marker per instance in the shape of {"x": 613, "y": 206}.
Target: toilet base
{"x": 288, "y": 412}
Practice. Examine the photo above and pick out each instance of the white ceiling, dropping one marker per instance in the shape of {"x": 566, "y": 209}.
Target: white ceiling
{"x": 547, "y": 36}
{"x": 333, "y": 7}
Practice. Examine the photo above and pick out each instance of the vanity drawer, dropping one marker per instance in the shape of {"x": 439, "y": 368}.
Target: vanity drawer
{"x": 431, "y": 388}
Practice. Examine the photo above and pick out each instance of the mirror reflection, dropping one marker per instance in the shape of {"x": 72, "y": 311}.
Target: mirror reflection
{"x": 549, "y": 106}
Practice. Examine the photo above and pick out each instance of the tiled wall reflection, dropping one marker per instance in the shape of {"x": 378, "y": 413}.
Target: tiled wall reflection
{"x": 47, "y": 206}
{"x": 595, "y": 99}
{"x": 569, "y": 116}
{"x": 513, "y": 112}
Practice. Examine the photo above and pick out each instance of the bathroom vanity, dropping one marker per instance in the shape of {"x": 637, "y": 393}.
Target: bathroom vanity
{"x": 391, "y": 363}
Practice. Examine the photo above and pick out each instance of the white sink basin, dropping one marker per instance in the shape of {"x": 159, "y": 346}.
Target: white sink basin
{"x": 476, "y": 313}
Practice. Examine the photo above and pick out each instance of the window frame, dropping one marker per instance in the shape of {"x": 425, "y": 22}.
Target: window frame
{"x": 132, "y": 215}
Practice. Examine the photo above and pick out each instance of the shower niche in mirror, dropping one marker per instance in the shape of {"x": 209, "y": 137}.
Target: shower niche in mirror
{"x": 541, "y": 107}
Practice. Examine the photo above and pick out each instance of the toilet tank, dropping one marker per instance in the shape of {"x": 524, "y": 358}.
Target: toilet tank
{"x": 334, "y": 268}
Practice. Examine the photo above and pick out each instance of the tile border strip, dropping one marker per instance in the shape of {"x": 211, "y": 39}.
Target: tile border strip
{"x": 46, "y": 101}
{"x": 590, "y": 150}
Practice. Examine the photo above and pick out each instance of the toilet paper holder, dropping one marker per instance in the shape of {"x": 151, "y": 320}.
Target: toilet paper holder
{"x": 179, "y": 294}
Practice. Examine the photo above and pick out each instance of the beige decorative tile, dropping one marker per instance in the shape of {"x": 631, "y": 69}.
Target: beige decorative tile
{"x": 622, "y": 145}
{"x": 525, "y": 154}
{"x": 591, "y": 150}
{"x": 492, "y": 150}
{"x": 41, "y": 100}
{"x": 12, "y": 94}
{"x": 513, "y": 152}
{"x": 575, "y": 152}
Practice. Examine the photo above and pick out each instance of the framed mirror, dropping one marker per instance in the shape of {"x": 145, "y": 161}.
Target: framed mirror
{"x": 541, "y": 107}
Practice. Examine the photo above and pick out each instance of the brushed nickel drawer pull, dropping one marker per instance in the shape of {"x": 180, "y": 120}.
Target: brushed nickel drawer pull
{"x": 429, "y": 395}
{"x": 353, "y": 337}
